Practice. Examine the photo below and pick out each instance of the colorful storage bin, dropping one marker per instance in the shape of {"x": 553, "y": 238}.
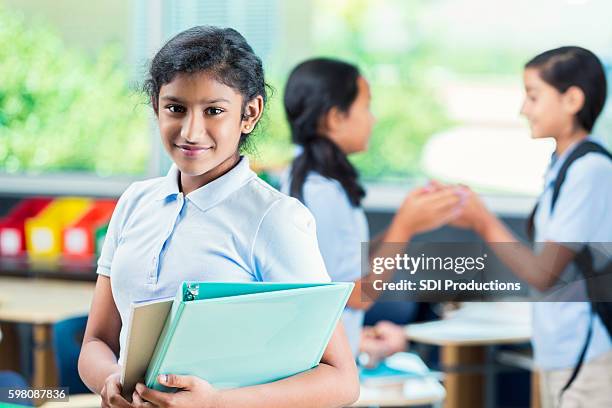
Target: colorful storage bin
{"x": 12, "y": 226}
{"x": 79, "y": 238}
{"x": 44, "y": 231}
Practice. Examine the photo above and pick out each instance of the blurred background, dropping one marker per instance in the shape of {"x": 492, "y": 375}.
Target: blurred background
{"x": 446, "y": 81}
{"x": 445, "y": 76}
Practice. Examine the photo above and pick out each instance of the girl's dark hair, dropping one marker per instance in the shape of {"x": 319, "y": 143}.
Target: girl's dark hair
{"x": 565, "y": 67}
{"x": 222, "y": 52}
{"x": 314, "y": 87}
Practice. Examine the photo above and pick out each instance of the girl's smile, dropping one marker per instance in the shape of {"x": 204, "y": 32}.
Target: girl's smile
{"x": 193, "y": 151}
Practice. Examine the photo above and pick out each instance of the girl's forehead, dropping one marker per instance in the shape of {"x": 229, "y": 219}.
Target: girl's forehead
{"x": 533, "y": 80}
{"x": 199, "y": 85}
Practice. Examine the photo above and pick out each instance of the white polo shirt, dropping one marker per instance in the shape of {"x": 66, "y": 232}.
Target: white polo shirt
{"x": 235, "y": 228}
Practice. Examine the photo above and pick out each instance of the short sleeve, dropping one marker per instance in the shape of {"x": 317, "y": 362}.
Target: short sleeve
{"x": 285, "y": 246}
{"x": 113, "y": 234}
{"x": 339, "y": 232}
{"x": 583, "y": 202}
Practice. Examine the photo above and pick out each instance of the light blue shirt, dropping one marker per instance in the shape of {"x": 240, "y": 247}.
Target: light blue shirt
{"x": 581, "y": 214}
{"x": 236, "y": 228}
{"x": 341, "y": 230}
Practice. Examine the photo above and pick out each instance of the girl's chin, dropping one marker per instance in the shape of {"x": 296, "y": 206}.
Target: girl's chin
{"x": 539, "y": 135}
{"x": 191, "y": 168}
{"x": 536, "y": 133}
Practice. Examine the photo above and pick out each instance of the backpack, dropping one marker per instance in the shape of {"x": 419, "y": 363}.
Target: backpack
{"x": 594, "y": 279}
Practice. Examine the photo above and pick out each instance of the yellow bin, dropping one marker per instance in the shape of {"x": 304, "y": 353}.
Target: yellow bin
{"x": 44, "y": 232}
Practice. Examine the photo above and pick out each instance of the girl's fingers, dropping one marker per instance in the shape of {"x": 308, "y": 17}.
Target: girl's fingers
{"x": 446, "y": 203}
{"x": 117, "y": 401}
{"x": 444, "y": 194}
{"x": 138, "y": 402}
{"x": 450, "y": 215}
{"x": 154, "y": 396}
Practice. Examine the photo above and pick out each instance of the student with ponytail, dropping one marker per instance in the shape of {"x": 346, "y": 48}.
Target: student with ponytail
{"x": 327, "y": 103}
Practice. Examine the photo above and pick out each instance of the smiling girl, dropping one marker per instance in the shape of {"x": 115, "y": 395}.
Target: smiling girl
{"x": 565, "y": 93}
{"x": 209, "y": 219}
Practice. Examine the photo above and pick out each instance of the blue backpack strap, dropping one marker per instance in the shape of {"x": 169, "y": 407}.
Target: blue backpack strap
{"x": 584, "y": 258}
{"x": 582, "y": 149}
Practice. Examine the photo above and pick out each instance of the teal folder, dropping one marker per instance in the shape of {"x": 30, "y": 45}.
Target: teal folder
{"x": 241, "y": 334}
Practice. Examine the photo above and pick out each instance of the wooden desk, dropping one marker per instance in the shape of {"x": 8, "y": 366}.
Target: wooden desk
{"x": 466, "y": 338}
{"x": 42, "y": 302}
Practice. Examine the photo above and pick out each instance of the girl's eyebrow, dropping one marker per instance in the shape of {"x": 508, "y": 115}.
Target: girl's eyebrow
{"x": 203, "y": 101}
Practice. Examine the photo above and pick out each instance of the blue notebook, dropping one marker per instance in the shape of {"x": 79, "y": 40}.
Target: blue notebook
{"x": 241, "y": 334}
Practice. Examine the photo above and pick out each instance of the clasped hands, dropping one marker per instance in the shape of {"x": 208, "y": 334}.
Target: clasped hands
{"x": 436, "y": 204}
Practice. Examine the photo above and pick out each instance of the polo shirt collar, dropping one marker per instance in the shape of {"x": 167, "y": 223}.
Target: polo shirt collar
{"x": 211, "y": 193}
{"x": 557, "y": 161}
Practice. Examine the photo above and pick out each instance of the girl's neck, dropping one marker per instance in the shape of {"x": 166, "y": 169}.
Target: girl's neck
{"x": 188, "y": 183}
{"x": 566, "y": 140}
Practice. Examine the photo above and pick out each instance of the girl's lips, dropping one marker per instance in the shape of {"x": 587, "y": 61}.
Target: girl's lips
{"x": 192, "y": 151}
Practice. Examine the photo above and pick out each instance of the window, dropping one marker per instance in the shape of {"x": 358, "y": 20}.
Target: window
{"x": 446, "y": 82}
{"x": 67, "y": 101}
{"x": 445, "y": 77}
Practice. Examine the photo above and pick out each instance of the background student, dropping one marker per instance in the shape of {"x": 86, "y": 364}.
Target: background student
{"x": 209, "y": 219}
{"x": 327, "y": 103}
{"x": 565, "y": 93}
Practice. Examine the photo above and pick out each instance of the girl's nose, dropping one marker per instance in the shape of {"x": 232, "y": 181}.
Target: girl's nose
{"x": 523, "y": 110}
{"x": 193, "y": 129}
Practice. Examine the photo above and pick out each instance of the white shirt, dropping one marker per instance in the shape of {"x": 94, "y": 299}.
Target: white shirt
{"x": 235, "y": 228}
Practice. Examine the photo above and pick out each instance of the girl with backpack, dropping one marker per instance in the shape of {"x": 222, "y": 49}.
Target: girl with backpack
{"x": 565, "y": 93}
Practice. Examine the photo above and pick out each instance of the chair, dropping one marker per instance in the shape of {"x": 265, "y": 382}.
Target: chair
{"x": 67, "y": 340}
{"x": 14, "y": 381}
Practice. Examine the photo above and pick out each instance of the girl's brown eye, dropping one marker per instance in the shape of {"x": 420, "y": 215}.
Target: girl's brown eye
{"x": 176, "y": 108}
{"x": 213, "y": 111}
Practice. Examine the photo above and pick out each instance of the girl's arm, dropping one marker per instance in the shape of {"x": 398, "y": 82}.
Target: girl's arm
{"x": 539, "y": 270}
{"x": 421, "y": 211}
{"x": 333, "y": 383}
{"x": 98, "y": 366}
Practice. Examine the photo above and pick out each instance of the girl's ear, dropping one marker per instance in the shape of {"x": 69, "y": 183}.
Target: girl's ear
{"x": 332, "y": 120}
{"x": 252, "y": 113}
{"x": 573, "y": 100}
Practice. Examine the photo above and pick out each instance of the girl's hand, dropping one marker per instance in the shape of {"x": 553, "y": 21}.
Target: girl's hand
{"x": 474, "y": 214}
{"x": 381, "y": 341}
{"x": 111, "y": 393}
{"x": 430, "y": 207}
{"x": 193, "y": 392}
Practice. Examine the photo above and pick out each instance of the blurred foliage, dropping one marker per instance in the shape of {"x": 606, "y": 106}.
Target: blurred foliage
{"x": 61, "y": 110}
{"x": 64, "y": 110}
{"x": 405, "y": 105}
